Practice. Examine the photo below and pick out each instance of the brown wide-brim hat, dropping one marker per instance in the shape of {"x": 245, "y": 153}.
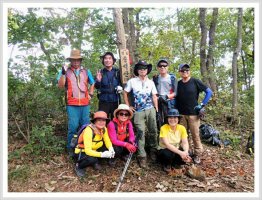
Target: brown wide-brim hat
{"x": 100, "y": 115}
{"x": 142, "y": 63}
{"x": 123, "y": 107}
{"x": 75, "y": 54}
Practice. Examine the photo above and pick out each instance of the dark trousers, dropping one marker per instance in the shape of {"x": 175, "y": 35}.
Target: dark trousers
{"x": 167, "y": 157}
{"x": 120, "y": 151}
{"x": 86, "y": 160}
{"x": 108, "y": 107}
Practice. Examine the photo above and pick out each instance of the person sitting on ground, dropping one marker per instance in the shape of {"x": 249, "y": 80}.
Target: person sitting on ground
{"x": 173, "y": 142}
{"x": 121, "y": 133}
{"x": 93, "y": 143}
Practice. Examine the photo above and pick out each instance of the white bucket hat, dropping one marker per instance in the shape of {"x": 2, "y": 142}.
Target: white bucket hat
{"x": 123, "y": 107}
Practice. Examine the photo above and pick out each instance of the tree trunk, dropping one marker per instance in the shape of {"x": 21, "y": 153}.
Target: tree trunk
{"x": 120, "y": 31}
{"x": 210, "y": 67}
{"x": 203, "y": 68}
{"x": 234, "y": 63}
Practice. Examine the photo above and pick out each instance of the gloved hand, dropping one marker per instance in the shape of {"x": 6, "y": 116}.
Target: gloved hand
{"x": 106, "y": 154}
{"x": 198, "y": 107}
{"x": 131, "y": 148}
{"x": 111, "y": 150}
{"x": 202, "y": 113}
{"x": 64, "y": 68}
{"x": 119, "y": 89}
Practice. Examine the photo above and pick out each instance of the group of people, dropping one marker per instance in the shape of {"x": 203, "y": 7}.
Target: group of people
{"x": 162, "y": 105}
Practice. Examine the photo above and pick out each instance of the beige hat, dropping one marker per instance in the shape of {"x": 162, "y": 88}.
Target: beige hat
{"x": 75, "y": 54}
{"x": 123, "y": 107}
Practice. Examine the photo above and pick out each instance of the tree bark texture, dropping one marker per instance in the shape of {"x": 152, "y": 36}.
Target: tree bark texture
{"x": 234, "y": 62}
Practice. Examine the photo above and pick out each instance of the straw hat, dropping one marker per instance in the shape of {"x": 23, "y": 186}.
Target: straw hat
{"x": 75, "y": 54}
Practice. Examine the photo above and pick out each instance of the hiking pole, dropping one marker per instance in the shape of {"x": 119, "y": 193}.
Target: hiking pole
{"x": 124, "y": 171}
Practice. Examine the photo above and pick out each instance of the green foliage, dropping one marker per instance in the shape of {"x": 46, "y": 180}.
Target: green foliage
{"x": 42, "y": 146}
{"x": 21, "y": 173}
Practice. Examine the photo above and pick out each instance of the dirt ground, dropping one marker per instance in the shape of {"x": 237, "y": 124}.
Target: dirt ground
{"x": 221, "y": 170}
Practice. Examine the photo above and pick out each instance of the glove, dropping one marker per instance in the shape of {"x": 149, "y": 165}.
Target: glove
{"x": 64, "y": 68}
{"x": 111, "y": 150}
{"x": 131, "y": 148}
{"x": 106, "y": 154}
{"x": 198, "y": 107}
{"x": 202, "y": 113}
{"x": 119, "y": 89}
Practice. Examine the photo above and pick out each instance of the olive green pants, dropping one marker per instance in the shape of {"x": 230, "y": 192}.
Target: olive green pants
{"x": 146, "y": 120}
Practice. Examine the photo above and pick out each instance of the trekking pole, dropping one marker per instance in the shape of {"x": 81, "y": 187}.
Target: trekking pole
{"x": 124, "y": 171}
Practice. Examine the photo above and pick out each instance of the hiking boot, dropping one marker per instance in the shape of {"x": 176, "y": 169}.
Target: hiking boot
{"x": 97, "y": 166}
{"x": 112, "y": 162}
{"x": 142, "y": 162}
{"x": 196, "y": 159}
{"x": 79, "y": 172}
{"x": 167, "y": 168}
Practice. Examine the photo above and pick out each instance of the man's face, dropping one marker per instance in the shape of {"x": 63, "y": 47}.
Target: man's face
{"x": 75, "y": 63}
{"x": 184, "y": 72}
{"x": 162, "y": 68}
{"x": 142, "y": 71}
{"x": 108, "y": 61}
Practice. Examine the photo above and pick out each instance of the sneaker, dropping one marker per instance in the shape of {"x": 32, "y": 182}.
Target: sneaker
{"x": 142, "y": 162}
{"x": 196, "y": 159}
{"x": 112, "y": 162}
{"x": 97, "y": 166}
{"x": 167, "y": 168}
{"x": 79, "y": 172}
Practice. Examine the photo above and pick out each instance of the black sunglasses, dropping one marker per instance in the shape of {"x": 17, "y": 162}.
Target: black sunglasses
{"x": 124, "y": 114}
{"x": 184, "y": 70}
{"x": 160, "y": 66}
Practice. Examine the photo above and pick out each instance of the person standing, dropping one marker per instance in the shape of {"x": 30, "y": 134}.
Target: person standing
{"x": 145, "y": 99}
{"x": 108, "y": 85}
{"x": 166, "y": 85}
{"x": 188, "y": 91}
{"x": 75, "y": 80}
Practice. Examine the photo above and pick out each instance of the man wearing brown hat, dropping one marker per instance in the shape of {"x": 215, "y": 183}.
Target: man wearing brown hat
{"x": 145, "y": 99}
{"x": 108, "y": 85}
{"x": 75, "y": 80}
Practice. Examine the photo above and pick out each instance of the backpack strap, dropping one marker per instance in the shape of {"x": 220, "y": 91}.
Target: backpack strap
{"x": 155, "y": 79}
{"x": 127, "y": 129}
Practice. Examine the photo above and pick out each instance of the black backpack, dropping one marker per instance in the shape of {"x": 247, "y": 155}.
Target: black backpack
{"x": 209, "y": 135}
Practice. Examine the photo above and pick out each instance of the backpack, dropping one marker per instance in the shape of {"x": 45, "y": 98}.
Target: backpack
{"x": 209, "y": 135}
{"x": 173, "y": 81}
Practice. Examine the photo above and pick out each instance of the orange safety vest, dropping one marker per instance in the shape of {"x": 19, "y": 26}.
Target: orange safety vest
{"x": 77, "y": 89}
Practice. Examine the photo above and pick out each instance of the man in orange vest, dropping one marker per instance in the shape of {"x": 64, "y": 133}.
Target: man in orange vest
{"x": 75, "y": 80}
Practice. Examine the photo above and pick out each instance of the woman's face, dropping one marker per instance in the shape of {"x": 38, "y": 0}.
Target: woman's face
{"x": 123, "y": 115}
{"x": 172, "y": 121}
{"x": 100, "y": 123}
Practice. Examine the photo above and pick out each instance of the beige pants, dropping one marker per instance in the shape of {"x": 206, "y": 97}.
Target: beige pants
{"x": 192, "y": 123}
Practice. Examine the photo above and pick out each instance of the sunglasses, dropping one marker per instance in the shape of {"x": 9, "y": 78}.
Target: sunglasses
{"x": 124, "y": 114}
{"x": 184, "y": 70}
{"x": 161, "y": 66}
